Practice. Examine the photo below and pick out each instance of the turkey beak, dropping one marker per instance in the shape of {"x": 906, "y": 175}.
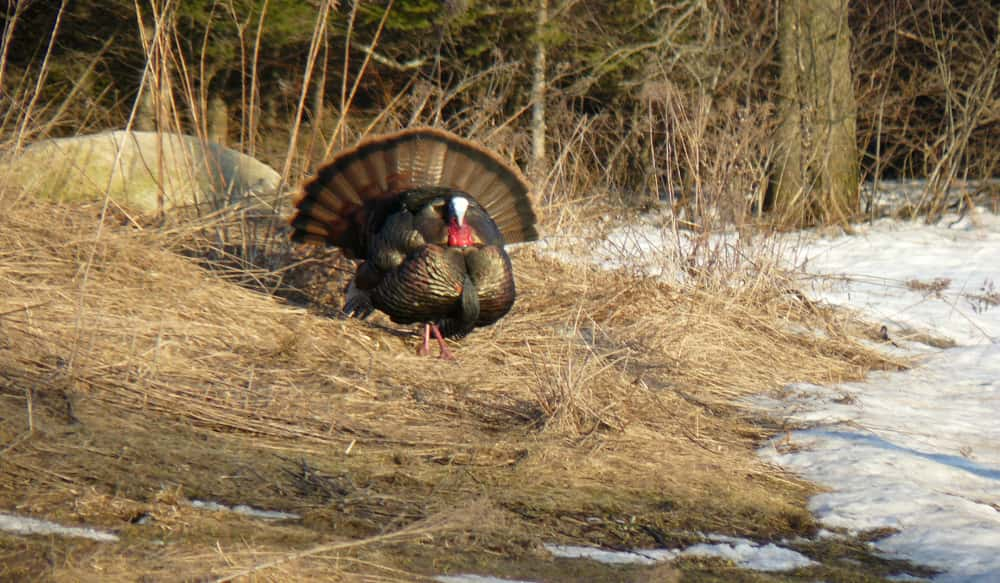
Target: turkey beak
{"x": 458, "y": 207}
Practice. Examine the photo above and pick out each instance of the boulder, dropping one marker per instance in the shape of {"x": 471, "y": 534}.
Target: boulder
{"x": 140, "y": 168}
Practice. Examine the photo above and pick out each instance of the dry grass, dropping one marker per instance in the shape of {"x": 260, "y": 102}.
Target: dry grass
{"x": 603, "y": 410}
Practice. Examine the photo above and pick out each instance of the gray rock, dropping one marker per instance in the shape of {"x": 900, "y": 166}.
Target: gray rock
{"x": 137, "y": 168}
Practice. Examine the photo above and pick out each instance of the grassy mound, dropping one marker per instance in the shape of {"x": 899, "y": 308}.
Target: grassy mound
{"x": 603, "y": 410}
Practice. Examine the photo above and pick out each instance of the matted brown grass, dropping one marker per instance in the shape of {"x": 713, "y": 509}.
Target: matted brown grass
{"x": 602, "y": 410}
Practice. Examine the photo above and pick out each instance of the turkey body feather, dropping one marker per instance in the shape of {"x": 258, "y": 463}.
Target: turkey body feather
{"x": 429, "y": 214}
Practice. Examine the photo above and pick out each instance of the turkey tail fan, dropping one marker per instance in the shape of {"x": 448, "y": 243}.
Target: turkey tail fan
{"x": 332, "y": 205}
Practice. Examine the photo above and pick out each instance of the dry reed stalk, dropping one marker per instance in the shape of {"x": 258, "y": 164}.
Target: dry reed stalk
{"x": 319, "y": 31}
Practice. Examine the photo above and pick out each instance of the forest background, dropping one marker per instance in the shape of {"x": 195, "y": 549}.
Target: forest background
{"x": 645, "y": 103}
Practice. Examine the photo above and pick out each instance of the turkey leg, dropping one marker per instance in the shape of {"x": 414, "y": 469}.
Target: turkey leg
{"x": 425, "y": 348}
{"x": 445, "y": 353}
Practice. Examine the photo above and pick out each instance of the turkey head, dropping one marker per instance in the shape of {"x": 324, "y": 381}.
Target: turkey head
{"x": 428, "y": 214}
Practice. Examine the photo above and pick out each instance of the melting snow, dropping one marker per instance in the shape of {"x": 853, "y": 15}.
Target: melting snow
{"x": 917, "y": 451}
{"x": 744, "y": 553}
{"x": 21, "y": 525}
{"x": 244, "y": 509}
{"x": 647, "y": 557}
{"x": 943, "y": 279}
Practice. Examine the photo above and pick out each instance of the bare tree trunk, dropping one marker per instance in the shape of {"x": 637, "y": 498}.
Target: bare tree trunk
{"x": 145, "y": 118}
{"x": 816, "y": 172}
{"x": 218, "y": 120}
{"x": 318, "y": 104}
{"x": 788, "y": 181}
{"x": 538, "y": 167}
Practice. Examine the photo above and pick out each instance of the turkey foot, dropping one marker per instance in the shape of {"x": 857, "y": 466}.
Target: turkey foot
{"x": 425, "y": 348}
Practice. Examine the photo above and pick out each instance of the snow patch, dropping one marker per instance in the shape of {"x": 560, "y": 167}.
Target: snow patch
{"x": 744, "y": 553}
{"x": 749, "y": 555}
{"x": 24, "y": 526}
{"x": 647, "y": 557}
{"x": 942, "y": 278}
{"x": 917, "y": 451}
{"x": 244, "y": 510}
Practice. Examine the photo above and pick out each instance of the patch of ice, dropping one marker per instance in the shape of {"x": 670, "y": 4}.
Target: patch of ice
{"x": 23, "y": 526}
{"x": 244, "y": 510}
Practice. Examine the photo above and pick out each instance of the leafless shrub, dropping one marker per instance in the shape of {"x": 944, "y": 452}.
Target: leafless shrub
{"x": 928, "y": 92}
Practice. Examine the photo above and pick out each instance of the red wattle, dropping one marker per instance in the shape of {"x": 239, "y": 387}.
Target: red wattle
{"x": 459, "y": 236}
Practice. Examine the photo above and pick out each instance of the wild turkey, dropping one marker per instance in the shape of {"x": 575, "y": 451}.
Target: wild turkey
{"x": 429, "y": 213}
